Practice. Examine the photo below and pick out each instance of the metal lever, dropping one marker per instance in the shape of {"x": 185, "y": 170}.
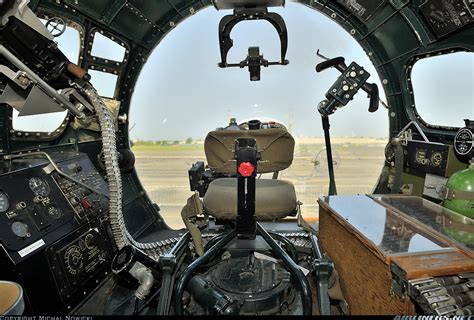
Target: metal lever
{"x": 323, "y": 269}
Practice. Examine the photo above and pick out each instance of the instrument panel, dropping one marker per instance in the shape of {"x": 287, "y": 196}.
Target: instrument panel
{"x": 447, "y": 16}
{"x": 34, "y": 203}
{"x": 54, "y": 224}
{"x": 428, "y": 157}
{"x": 363, "y": 9}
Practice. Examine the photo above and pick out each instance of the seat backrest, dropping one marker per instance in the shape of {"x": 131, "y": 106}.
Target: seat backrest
{"x": 275, "y": 146}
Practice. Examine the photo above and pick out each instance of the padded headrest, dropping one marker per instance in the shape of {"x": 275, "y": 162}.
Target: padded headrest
{"x": 275, "y": 145}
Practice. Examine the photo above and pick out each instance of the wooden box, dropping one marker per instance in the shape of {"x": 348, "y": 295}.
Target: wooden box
{"x": 364, "y": 235}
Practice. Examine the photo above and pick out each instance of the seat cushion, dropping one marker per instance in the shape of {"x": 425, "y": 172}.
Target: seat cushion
{"x": 275, "y": 199}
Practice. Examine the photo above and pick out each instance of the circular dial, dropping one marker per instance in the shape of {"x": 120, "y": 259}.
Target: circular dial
{"x": 464, "y": 142}
{"x": 20, "y": 229}
{"x": 437, "y": 159}
{"x": 74, "y": 259}
{"x": 90, "y": 241}
{"x": 39, "y": 186}
{"x": 4, "y": 203}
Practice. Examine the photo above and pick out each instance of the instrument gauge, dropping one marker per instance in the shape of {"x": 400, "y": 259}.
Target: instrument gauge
{"x": 4, "y": 202}
{"x": 20, "y": 229}
{"x": 437, "y": 159}
{"x": 39, "y": 186}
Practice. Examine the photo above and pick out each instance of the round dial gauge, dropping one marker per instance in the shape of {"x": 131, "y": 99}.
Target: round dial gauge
{"x": 4, "y": 203}
{"x": 39, "y": 186}
{"x": 464, "y": 142}
{"x": 20, "y": 229}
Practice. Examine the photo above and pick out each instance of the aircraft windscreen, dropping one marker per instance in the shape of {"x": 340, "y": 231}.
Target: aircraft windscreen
{"x": 181, "y": 95}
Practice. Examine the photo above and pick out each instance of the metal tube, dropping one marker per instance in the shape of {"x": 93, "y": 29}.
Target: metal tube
{"x": 205, "y": 258}
{"x": 327, "y": 139}
{"x": 289, "y": 245}
{"x": 323, "y": 269}
{"x": 49, "y": 90}
{"x": 417, "y": 126}
{"x": 170, "y": 263}
{"x": 181, "y": 244}
{"x": 295, "y": 271}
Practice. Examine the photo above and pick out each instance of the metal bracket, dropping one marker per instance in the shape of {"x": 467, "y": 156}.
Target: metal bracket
{"x": 243, "y": 14}
{"x": 169, "y": 264}
{"x": 399, "y": 283}
{"x": 246, "y": 155}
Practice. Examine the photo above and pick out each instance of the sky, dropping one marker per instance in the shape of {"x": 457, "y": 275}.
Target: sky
{"x": 181, "y": 92}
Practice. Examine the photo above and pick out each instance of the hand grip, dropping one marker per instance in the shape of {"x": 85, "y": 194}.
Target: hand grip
{"x": 78, "y": 72}
{"x": 373, "y": 91}
{"x": 329, "y": 63}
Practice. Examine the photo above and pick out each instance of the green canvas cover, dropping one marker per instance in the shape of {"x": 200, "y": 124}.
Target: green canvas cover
{"x": 275, "y": 145}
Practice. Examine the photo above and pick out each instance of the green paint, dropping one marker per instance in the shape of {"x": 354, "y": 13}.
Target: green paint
{"x": 463, "y": 181}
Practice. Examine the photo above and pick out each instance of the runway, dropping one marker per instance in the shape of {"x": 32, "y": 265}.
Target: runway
{"x": 358, "y": 162}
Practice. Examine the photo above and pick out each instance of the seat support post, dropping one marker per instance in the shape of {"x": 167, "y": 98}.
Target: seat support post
{"x": 246, "y": 156}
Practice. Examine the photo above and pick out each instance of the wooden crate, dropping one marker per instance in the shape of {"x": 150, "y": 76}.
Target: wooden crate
{"x": 363, "y": 263}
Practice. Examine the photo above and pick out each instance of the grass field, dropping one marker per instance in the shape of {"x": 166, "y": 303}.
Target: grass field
{"x": 163, "y": 171}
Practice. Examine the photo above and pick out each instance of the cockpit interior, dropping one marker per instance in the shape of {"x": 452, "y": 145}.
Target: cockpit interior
{"x": 262, "y": 221}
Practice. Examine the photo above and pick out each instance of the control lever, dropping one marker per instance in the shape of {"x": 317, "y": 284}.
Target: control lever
{"x": 337, "y": 63}
{"x": 352, "y": 79}
{"x": 348, "y": 75}
{"x": 373, "y": 91}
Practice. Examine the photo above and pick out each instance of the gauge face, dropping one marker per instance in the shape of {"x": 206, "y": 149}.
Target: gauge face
{"x": 437, "y": 159}
{"x": 4, "y": 202}
{"x": 20, "y": 229}
{"x": 464, "y": 142}
{"x": 39, "y": 186}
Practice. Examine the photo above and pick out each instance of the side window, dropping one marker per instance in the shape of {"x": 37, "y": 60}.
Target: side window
{"x": 442, "y": 86}
{"x": 69, "y": 43}
{"x": 104, "y": 82}
{"x": 106, "y": 48}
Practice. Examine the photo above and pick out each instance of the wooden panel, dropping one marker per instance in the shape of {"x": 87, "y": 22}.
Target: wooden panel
{"x": 434, "y": 264}
{"x": 364, "y": 272}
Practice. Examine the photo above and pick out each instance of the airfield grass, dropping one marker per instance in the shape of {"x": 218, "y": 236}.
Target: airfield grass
{"x": 163, "y": 170}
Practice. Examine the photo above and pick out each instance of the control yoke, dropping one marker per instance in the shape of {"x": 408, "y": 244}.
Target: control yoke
{"x": 353, "y": 78}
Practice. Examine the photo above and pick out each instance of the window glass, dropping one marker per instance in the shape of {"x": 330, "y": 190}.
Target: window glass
{"x": 104, "y": 82}
{"x": 47, "y": 122}
{"x": 103, "y": 47}
{"x": 69, "y": 43}
{"x": 443, "y": 88}
{"x": 180, "y": 97}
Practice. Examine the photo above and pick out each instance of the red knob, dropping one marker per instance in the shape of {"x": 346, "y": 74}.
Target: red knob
{"x": 246, "y": 169}
{"x": 86, "y": 203}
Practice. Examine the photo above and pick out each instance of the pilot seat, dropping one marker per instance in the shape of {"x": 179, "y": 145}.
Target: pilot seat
{"x": 274, "y": 199}
{"x": 238, "y": 197}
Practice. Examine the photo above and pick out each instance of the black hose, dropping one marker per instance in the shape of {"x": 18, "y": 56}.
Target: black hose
{"x": 213, "y": 241}
{"x": 185, "y": 277}
{"x": 295, "y": 271}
